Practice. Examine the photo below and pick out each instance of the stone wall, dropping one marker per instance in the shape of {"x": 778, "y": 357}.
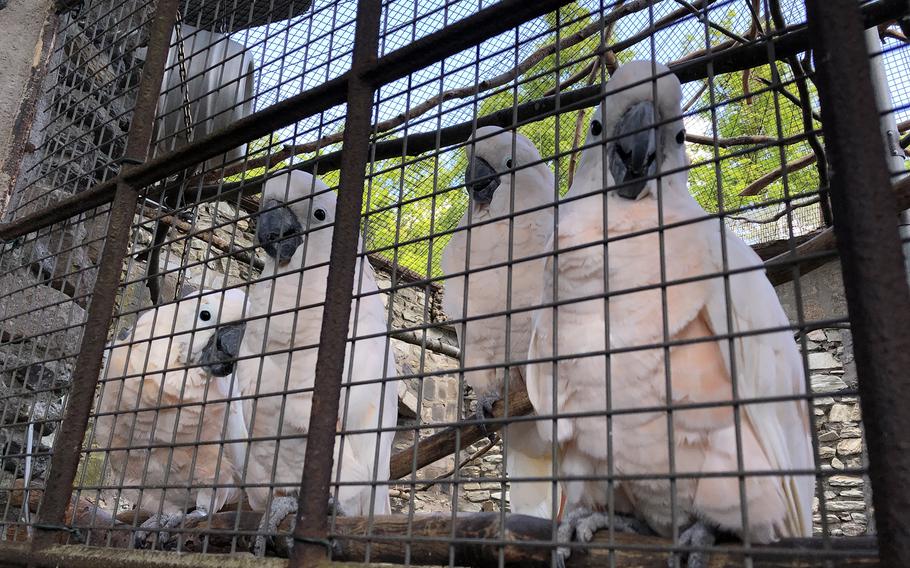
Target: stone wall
{"x": 840, "y": 435}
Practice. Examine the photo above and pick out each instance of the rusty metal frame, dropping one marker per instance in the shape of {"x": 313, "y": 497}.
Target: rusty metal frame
{"x": 878, "y": 300}
{"x": 312, "y": 522}
{"x": 877, "y": 294}
{"x": 473, "y": 29}
{"x": 68, "y": 443}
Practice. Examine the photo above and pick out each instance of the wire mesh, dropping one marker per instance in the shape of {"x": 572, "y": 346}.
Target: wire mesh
{"x": 561, "y": 366}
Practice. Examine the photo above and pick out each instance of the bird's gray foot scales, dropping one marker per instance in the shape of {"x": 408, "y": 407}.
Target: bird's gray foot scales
{"x": 484, "y": 412}
{"x": 698, "y": 535}
{"x": 282, "y": 507}
{"x": 152, "y": 529}
{"x": 581, "y": 524}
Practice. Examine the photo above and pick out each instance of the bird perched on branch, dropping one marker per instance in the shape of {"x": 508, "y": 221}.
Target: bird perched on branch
{"x": 168, "y": 384}
{"x": 294, "y": 226}
{"x": 505, "y": 175}
{"x": 638, "y": 129}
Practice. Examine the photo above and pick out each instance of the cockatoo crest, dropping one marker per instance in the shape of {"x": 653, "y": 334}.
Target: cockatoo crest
{"x": 295, "y": 219}
{"x": 495, "y": 156}
{"x": 640, "y": 131}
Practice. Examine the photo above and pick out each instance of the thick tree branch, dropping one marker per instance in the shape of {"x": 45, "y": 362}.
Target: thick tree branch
{"x": 732, "y": 141}
{"x": 442, "y": 444}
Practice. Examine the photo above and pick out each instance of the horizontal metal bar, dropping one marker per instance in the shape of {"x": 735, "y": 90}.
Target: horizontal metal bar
{"x": 451, "y": 39}
{"x": 793, "y": 42}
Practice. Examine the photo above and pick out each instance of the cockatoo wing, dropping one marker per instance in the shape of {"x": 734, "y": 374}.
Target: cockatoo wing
{"x": 767, "y": 365}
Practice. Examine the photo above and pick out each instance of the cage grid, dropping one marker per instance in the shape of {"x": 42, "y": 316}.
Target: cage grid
{"x": 305, "y": 171}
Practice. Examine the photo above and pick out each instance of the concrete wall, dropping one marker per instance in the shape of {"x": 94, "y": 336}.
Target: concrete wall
{"x": 25, "y": 31}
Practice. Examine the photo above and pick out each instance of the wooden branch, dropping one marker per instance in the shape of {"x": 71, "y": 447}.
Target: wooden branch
{"x": 695, "y": 97}
{"x": 761, "y": 183}
{"x": 429, "y": 539}
{"x": 780, "y": 268}
{"x": 442, "y": 444}
{"x": 665, "y": 22}
{"x": 793, "y": 206}
{"x": 478, "y": 454}
{"x": 734, "y": 140}
{"x": 435, "y": 345}
{"x": 805, "y": 106}
{"x": 207, "y": 235}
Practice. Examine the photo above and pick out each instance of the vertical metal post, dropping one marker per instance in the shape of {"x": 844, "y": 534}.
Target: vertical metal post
{"x": 68, "y": 442}
{"x": 866, "y": 226}
{"x": 311, "y": 525}
{"x": 894, "y": 154}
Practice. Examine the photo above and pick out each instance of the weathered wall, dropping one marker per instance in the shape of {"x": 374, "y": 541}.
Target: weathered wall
{"x": 22, "y": 45}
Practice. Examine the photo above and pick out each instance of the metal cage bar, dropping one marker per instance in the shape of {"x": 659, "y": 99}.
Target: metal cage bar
{"x": 878, "y": 298}
{"x": 874, "y": 279}
{"x": 68, "y": 443}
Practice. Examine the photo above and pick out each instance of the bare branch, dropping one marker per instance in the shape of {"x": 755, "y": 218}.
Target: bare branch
{"x": 761, "y": 183}
{"x": 460, "y": 93}
{"x": 805, "y": 105}
{"x": 778, "y": 215}
{"x": 443, "y": 444}
{"x": 745, "y": 140}
{"x": 695, "y": 97}
{"x": 705, "y": 20}
{"x": 786, "y": 94}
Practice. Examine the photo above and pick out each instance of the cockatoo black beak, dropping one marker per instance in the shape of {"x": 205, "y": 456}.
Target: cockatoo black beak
{"x": 481, "y": 180}
{"x": 634, "y": 153}
{"x": 219, "y": 354}
{"x": 278, "y": 231}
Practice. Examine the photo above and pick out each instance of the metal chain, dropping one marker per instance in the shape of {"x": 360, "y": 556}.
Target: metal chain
{"x": 184, "y": 87}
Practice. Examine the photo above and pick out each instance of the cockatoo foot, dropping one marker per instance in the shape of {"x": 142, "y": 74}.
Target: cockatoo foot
{"x": 484, "y": 412}
{"x": 154, "y": 523}
{"x": 281, "y": 508}
{"x": 581, "y": 524}
{"x": 698, "y": 534}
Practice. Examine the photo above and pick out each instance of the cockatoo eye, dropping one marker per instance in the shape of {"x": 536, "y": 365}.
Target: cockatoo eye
{"x": 319, "y": 214}
{"x": 681, "y": 136}
{"x": 596, "y": 128}
{"x": 205, "y": 315}
{"x": 509, "y": 164}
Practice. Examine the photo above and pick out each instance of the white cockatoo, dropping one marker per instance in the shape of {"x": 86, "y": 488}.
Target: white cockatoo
{"x": 294, "y": 227}
{"x": 505, "y": 175}
{"x": 181, "y": 357}
{"x": 640, "y": 129}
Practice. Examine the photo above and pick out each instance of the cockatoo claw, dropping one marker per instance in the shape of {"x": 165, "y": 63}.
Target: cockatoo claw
{"x": 163, "y": 521}
{"x": 698, "y": 534}
{"x": 484, "y": 412}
